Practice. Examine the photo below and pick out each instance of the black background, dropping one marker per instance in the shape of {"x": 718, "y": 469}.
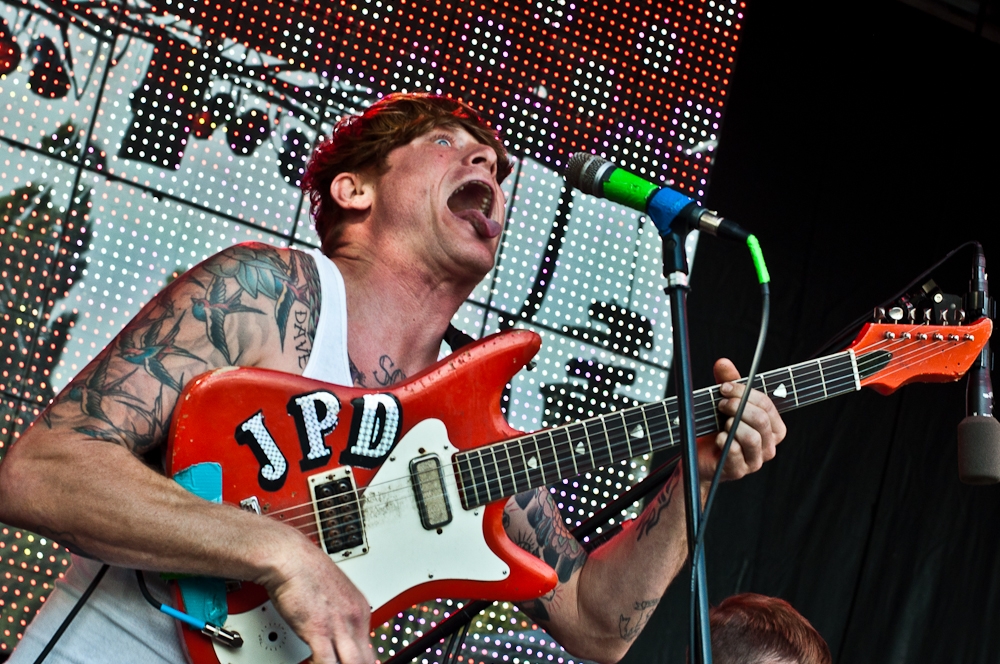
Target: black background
{"x": 859, "y": 145}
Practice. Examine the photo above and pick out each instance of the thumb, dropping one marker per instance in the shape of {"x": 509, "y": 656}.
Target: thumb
{"x": 724, "y": 370}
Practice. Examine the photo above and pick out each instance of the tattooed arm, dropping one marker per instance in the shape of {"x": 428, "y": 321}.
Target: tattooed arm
{"x": 603, "y": 600}
{"x": 80, "y": 474}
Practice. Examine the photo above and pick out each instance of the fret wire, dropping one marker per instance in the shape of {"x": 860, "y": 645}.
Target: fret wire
{"x": 589, "y": 446}
{"x": 670, "y": 425}
{"x": 466, "y": 479}
{"x": 628, "y": 435}
{"x": 700, "y": 428}
{"x": 821, "y": 377}
{"x": 555, "y": 451}
{"x": 596, "y": 452}
{"x": 513, "y": 475}
{"x": 524, "y": 461}
{"x": 571, "y": 455}
{"x": 607, "y": 438}
{"x": 493, "y": 479}
{"x": 795, "y": 392}
{"x": 473, "y": 481}
{"x": 645, "y": 422}
{"x": 715, "y": 408}
{"x": 486, "y": 483}
{"x": 525, "y": 456}
{"x": 497, "y": 475}
{"x": 541, "y": 465}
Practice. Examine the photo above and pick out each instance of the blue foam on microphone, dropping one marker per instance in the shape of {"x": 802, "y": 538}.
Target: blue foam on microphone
{"x": 664, "y": 207}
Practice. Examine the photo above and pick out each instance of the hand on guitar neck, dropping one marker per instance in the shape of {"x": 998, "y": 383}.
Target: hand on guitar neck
{"x": 761, "y": 429}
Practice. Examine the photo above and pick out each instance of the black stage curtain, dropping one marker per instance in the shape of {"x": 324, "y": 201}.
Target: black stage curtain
{"x": 860, "y": 145}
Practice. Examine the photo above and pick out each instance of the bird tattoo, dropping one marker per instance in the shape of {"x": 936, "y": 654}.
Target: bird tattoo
{"x": 90, "y": 392}
{"x": 151, "y": 351}
{"x": 213, "y": 309}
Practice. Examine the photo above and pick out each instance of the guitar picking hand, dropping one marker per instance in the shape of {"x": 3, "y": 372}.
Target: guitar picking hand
{"x": 321, "y": 604}
{"x": 760, "y": 430}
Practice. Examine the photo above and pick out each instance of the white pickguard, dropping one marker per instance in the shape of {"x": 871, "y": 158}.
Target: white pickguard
{"x": 401, "y": 553}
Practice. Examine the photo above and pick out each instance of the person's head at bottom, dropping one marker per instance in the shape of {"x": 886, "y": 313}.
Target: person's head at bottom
{"x": 757, "y": 629}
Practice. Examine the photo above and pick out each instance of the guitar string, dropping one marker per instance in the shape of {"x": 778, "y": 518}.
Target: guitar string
{"x": 836, "y": 382}
{"x": 843, "y": 378}
{"x": 311, "y": 529}
{"x": 805, "y": 395}
{"x": 571, "y": 437}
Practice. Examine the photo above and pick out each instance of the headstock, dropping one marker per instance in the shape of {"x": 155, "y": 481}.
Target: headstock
{"x": 892, "y": 355}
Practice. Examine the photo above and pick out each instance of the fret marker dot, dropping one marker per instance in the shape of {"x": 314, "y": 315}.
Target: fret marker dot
{"x": 780, "y": 391}
{"x": 580, "y": 449}
{"x": 637, "y": 432}
{"x": 533, "y": 463}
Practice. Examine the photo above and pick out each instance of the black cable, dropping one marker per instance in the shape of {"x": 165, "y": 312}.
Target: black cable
{"x": 145, "y": 590}
{"x": 700, "y": 536}
{"x": 72, "y": 614}
{"x": 459, "y": 642}
{"x": 837, "y": 341}
{"x": 761, "y": 337}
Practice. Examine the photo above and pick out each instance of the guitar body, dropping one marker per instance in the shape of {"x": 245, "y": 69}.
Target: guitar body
{"x": 405, "y": 488}
{"x": 407, "y": 554}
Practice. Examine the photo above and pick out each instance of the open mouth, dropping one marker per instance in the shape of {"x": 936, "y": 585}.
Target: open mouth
{"x": 474, "y": 195}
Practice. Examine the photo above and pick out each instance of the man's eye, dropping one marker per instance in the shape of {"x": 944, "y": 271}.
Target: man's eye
{"x": 443, "y": 141}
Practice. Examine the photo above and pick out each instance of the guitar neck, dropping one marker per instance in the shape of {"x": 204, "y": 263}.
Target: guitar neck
{"x": 501, "y": 470}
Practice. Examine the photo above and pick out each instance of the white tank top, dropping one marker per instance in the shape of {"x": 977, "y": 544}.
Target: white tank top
{"x": 117, "y": 624}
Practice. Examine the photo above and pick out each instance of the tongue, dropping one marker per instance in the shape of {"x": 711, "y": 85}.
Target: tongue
{"x": 485, "y": 227}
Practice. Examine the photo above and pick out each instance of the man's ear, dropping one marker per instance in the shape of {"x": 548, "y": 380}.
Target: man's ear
{"x": 351, "y": 191}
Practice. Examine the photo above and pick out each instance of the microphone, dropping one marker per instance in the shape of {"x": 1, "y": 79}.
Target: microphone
{"x": 979, "y": 432}
{"x": 602, "y": 178}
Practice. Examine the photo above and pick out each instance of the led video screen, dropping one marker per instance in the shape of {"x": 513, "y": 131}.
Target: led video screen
{"x": 137, "y": 138}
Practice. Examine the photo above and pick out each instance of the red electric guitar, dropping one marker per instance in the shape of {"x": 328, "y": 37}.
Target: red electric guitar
{"x": 405, "y": 488}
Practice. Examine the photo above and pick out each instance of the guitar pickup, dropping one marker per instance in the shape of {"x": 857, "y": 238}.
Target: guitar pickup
{"x": 338, "y": 513}
{"x": 428, "y": 485}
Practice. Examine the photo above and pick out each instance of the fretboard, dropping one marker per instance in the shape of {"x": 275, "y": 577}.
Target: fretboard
{"x": 501, "y": 470}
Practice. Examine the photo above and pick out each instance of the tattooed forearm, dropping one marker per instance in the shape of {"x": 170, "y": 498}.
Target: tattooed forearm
{"x": 556, "y": 546}
{"x": 526, "y": 541}
{"x": 536, "y": 607}
{"x": 629, "y": 626}
{"x": 651, "y": 516}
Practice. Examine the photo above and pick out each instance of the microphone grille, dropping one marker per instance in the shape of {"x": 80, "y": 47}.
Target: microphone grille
{"x": 584, "y": 171}
{"x": 979, "y": 450}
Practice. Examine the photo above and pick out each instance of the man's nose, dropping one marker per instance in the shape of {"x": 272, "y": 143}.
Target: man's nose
{"x": 483, "y": 155}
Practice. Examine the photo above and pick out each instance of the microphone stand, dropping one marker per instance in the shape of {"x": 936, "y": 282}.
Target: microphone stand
{"x": 675, "y": 269}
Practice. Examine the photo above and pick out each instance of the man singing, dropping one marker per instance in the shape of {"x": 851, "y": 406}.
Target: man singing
{"x": 407, "y": 203}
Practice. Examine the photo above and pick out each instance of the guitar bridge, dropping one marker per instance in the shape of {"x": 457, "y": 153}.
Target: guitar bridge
{"x": 338, "y": 513}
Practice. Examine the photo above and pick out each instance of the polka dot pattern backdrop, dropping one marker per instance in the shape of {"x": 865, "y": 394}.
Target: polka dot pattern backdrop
{"x": 137, "y": 139}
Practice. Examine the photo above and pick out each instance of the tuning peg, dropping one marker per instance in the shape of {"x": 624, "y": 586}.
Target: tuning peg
{"x": 879, "y": 314}
{"x": 912, "y": 312}
{"x": 896, "y": 314}
{"x": 928, "y": 315}
{"x": 960, "y": 316}
{"x": 944, "y": 317}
